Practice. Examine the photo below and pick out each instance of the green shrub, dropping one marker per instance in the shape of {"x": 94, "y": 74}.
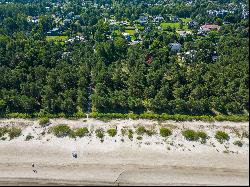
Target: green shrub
{"x": 80, "y": 115}
{"x": 99, "y": 133}
{"x": 3, "y": 138}
{"x": 245, "y": 134}
{"x": 203, "y": 136}
{"x": 61, "y": 130}
{"x": 190, "y": 135}
{"x": 222, "y": 136}
{"x": 43, "y": 121}
{"x": 123, "y": 131}
{"x": 164, "y": 132}
{"x": 150, "y": 132}
{"x": 29, "y": 137}
{"x": 14, "y": 132}
{"x": 61, "y": 115}
{"x": 149, "y": 116}
{"x": 72, "y": 134}
{"x": 3, "y": 131}
{"x": 139, "y": 138}
{"x": 238, "y": 143}
{"x": 141, "y": 130}
{"x": 132, "y": 115}
{"x": 112, "y": 132}
{"x": 18, "y": 115}
{"x": 81, "y": 132}
{"x": 130, "y": 134}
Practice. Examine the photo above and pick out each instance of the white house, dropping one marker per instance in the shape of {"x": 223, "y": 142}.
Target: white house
{"x": 175, "y": 47}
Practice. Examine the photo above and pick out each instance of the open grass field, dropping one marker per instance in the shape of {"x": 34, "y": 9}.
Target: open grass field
{"x": 176, "y": 25}
{"x": 56, "y": 38}
{"x": 172, "y": 25}
{"x": 131, "y": 32}
{"x": 185, "y": 19}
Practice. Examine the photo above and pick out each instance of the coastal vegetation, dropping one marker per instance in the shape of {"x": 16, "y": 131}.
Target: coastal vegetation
{"x": 238, "y": 143}
{"x": 61, "y": 130}
{"x": 112, "y": 132}
{"x": 29, "y": 137}
{"x": 153, "y": 116}
{"x": 222, "y": 136}
{"x": 192, "y": 135}
{"x": 130, "y": 134}
{"x": 81, "y": 132}
{"x": 100, "y": 134}
{"x": 165, "y": 132}
{"x": 43, "y": 121}
{"x": 12, "y": 132}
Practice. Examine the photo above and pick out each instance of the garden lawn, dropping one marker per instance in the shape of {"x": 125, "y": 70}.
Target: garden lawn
{"x": 56, "y": 38}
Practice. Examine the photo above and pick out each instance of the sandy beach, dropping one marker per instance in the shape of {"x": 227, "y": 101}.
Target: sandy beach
{"x": 150, "y": 161}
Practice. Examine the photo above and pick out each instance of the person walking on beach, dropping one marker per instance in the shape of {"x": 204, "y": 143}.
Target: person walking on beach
{"x": 74, "y": 154}
{"x": 33, "y": 166}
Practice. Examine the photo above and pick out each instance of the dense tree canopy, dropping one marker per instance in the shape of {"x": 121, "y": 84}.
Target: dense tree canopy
{"x": 108, "y": 75}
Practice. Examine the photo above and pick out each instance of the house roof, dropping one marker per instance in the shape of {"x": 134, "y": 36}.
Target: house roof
{"x": 210, "y": 27}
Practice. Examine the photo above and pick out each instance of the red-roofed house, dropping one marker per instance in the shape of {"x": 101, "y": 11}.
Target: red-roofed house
{"x": 208, "y": 27}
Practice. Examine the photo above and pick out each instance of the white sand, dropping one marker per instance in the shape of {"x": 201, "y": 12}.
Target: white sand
{"x": 153, "y": 160}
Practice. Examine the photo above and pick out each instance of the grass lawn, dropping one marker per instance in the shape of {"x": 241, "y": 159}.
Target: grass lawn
{"x": 185, "y": 19}
{"x": 61, "y": 43}
{"x": 56, "y": 38}
{"x": 141, "y": 28}
{"x": 131, "y": 32}
{"x": 117, "y": 32}
{"x": 172, "y": 25}
{"x": 133, "y": 38}
{"x": 165, "y": 25}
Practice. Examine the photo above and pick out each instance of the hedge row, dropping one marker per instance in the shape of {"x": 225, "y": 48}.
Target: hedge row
{"x": 176, "y": 117}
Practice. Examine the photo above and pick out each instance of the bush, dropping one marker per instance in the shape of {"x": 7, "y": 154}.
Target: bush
{"x": 72, "y": 134}
{"x": 61, "y": 130}
{"x": 14, "y": 132}
{"x": 112, "y": 132}
{"x": 100, "y": 133}
{"x": 29, "y": 137}
{"x": 190, "y": 135}
{"x": 150, "y": 132}
{"x": 245, "y": 134}
{"x": 3, "y": 131}
{"x": 132, "y": 115}
{"x": 164, "y": 132}
{"x": 203, "y": 136}
{"x": 81, "y": 132}
{"x": 80, "y": 115}
{"x": 18, "y": 115}
{"x": 141, "y": 130}
{"x": 139, "y": 138}
{"x": 130, "y": 134}
{"x": 123, "y": 131}
{"x": 43, "y": 121}
{"x": 238, "y": 143}
{"x": 222, "y": 136}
